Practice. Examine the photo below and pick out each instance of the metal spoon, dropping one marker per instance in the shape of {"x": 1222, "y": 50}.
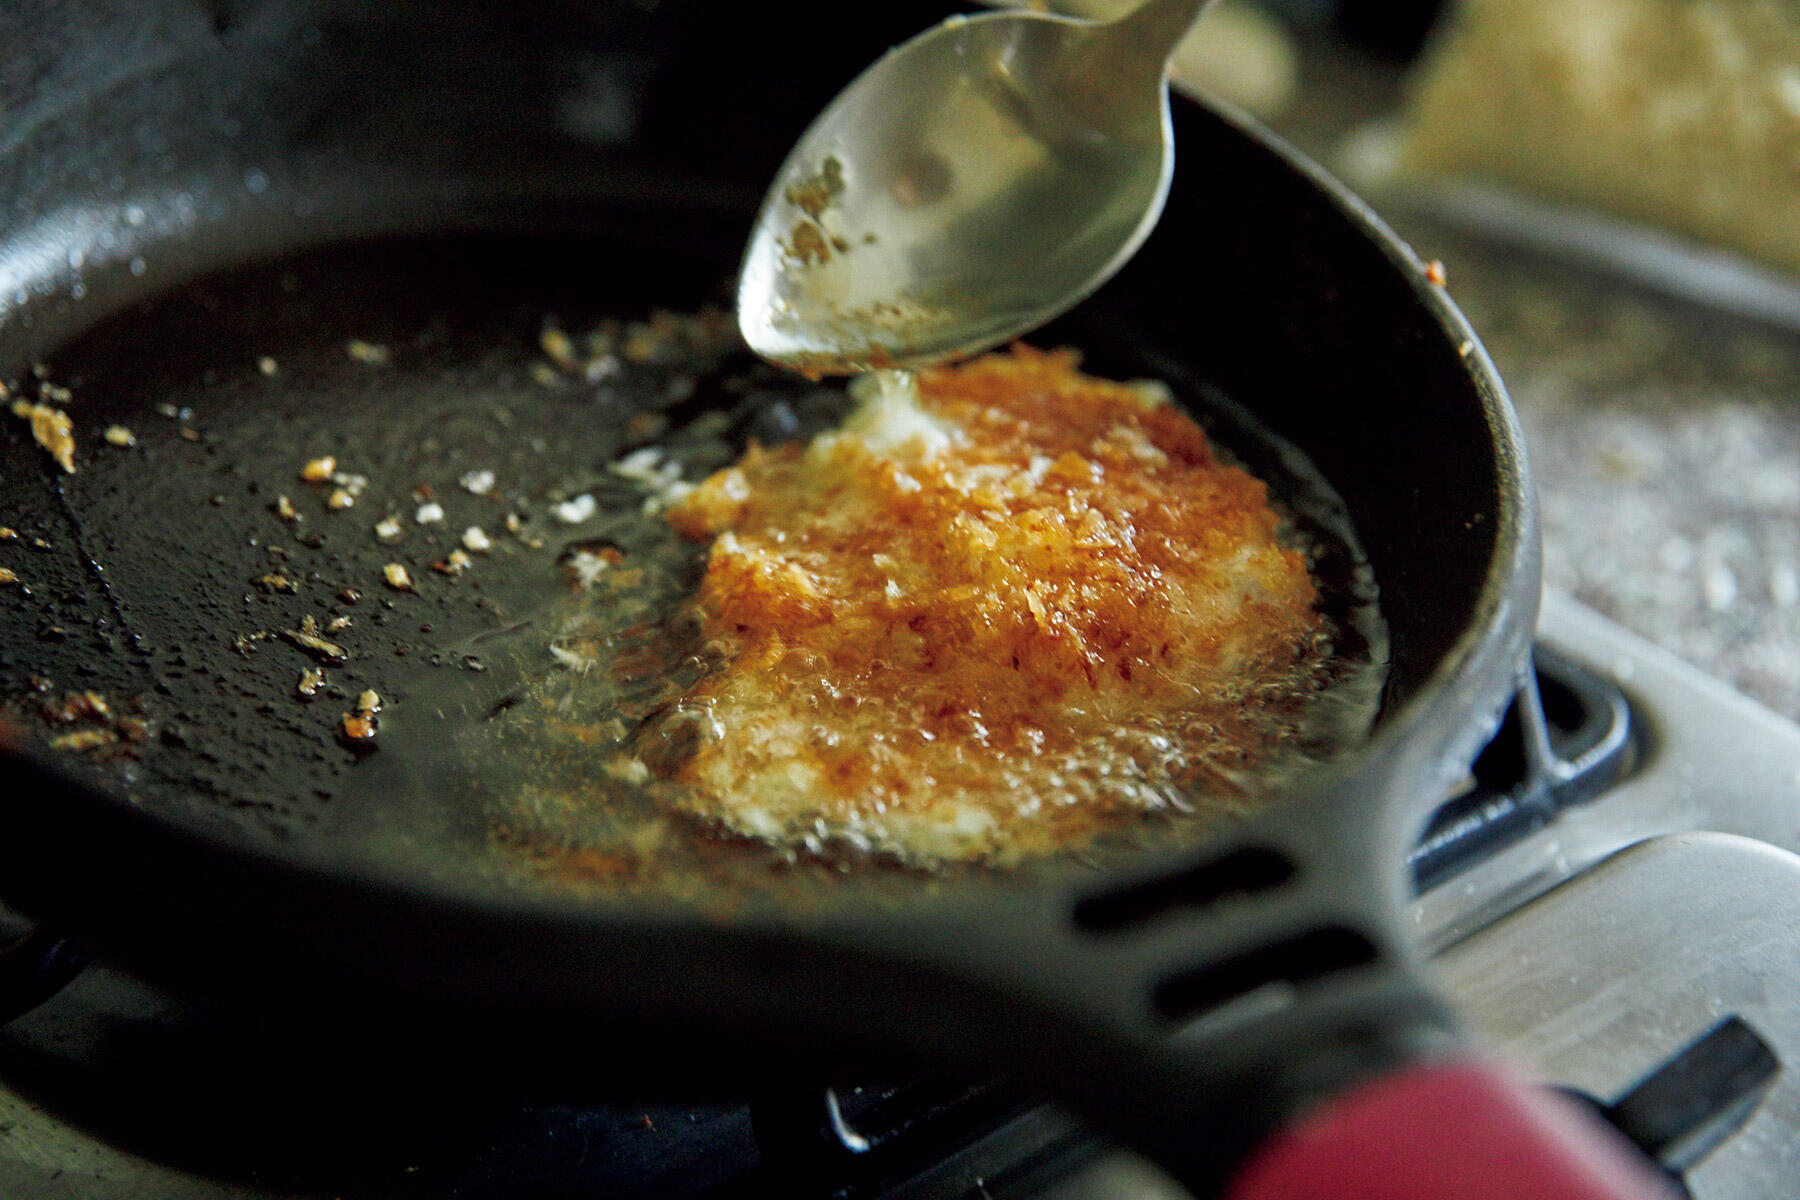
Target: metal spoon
{"x": 969, "y": 186}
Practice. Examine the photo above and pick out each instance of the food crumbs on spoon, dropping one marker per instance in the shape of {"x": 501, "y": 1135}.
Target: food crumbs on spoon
{"x": 284, "y": 508}
{"x": 455, "y": 564}
{"x": 118, "y": 435}
{"x": 368, "y": 702}
{"x": 474, "y": 538}
{"x": 429, "y": 514}
{"x": 311, "y": 680}
{"x": 319, "y": 470}
{"x": 388, "y": 529}
{"x": 398, "y": 577}
{"x": 1435, "y": 273}
{"x": 339, "y": 498}
{"x": 267, "y": 365}
{"x": 8, "y": 576}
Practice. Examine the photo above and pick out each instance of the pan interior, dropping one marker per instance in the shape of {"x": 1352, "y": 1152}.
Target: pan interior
{"x": 193, "y": 579}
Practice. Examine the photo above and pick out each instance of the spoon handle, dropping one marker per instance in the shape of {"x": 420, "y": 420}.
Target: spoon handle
{"x": 1156, "y": 27}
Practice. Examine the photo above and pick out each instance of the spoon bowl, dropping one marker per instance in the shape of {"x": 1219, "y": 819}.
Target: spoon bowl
{"x": 972, "y": 184}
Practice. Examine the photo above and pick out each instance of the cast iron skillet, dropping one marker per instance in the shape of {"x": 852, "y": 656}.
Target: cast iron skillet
{"x": 1193, "y": 1005}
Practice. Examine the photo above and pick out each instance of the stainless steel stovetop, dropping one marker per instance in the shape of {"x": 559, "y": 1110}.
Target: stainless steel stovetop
{"x": 1637, "y": 921}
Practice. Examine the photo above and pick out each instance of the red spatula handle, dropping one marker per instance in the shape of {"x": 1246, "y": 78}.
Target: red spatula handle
{"x": 1450, "y": 1131}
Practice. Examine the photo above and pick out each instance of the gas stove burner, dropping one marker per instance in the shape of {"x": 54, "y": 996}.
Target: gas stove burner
{"x": 1628, "y": 811}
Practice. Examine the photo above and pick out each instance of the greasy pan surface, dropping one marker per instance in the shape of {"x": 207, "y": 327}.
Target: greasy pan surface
{"x": 629, "y": 135}
{"x": 486, "y": 768}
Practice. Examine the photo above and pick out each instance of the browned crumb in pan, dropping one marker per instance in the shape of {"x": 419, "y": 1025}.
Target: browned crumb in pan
{"x": 83, "y": 722}
{"x": 358, "y": 729}
{"x": 53, "y": 428}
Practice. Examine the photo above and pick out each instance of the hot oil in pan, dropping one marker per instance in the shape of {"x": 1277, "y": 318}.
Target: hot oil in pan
{"x": 514, "y": 388}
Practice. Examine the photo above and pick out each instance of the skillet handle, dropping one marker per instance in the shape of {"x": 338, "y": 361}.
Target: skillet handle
{"x": 1456, "y": 1130}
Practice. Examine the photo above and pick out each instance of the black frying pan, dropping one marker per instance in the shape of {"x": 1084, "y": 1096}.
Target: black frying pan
{"x": 1193, "y": 1001}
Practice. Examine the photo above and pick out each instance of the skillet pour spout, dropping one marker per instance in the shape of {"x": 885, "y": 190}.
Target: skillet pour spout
{"x": 1192, "y": 1004}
